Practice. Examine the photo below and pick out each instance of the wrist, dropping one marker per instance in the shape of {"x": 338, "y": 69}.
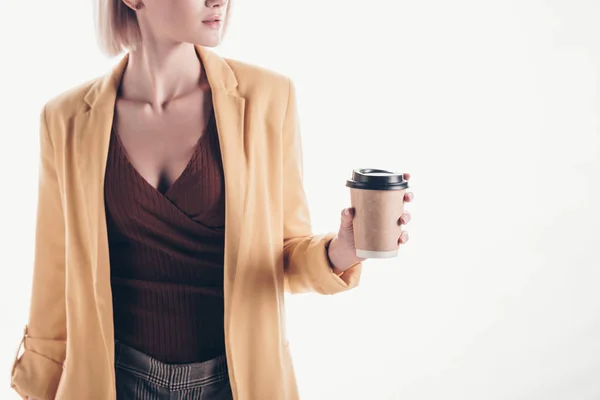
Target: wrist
{"x": 340, "y": 259}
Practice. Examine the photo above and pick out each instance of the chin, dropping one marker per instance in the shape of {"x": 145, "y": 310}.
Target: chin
{"x": 208, "y": 40}
{"x": 207, "y": 43}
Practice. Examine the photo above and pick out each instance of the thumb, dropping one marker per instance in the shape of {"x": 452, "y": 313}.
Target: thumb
{"x": 347, "y": 217}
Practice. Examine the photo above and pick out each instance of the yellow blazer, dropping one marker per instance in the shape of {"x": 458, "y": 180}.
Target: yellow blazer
{"x": 269, "y": 247}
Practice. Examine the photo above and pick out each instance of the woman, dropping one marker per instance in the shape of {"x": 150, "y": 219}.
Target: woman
{"x": 149, "y": 281}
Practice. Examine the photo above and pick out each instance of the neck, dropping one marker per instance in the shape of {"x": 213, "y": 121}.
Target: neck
{"x": 157, "y": 74}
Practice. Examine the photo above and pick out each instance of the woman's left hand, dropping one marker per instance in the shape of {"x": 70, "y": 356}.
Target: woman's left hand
{"x": 342, "y": 252}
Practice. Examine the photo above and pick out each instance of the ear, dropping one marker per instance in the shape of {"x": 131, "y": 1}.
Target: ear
{"x": 135, "y": 5}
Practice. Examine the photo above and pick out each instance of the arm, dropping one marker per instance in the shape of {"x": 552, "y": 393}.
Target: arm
{"x": 306, "y": 263}
{"x": 37, "y": 372}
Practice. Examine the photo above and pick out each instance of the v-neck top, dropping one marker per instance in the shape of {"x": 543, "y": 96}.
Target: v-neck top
{"x": 167, "y": 253}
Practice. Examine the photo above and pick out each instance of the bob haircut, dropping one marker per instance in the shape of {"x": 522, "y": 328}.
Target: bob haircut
{"x": 117, "y": 28}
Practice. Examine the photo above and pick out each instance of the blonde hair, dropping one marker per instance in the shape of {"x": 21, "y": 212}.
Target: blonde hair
{"x": 117, "y": 28}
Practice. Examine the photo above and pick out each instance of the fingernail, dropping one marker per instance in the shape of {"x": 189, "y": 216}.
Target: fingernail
{"x": 346, "y": 211}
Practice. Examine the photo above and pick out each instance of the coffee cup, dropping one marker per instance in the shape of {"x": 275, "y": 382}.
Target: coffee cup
{"x": 377, "y": 197}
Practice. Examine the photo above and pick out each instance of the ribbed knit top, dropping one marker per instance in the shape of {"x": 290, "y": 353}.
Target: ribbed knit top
{"x": 166, "y": 255}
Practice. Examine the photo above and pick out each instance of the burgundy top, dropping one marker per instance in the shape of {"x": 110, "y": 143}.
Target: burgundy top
{"x": 166, "y": 255}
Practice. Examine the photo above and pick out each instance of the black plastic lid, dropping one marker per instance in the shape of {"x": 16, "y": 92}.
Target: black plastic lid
{"x": 376, "y": 179}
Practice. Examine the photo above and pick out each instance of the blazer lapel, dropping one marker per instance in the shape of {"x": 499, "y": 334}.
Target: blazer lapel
{"x": 229, "y": 109}
{"x": 91, "y": 139}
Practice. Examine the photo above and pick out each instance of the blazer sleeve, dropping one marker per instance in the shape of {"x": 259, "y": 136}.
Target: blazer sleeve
{"x": 306, "y": 263}
{"x": 37, "y": 371}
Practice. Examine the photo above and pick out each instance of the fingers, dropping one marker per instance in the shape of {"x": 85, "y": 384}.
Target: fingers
{"x": 347, "y": 216}
{"x": 408, "y": 196}
{"x": 403, "y": 238}
{"x": 404, "y": 219}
